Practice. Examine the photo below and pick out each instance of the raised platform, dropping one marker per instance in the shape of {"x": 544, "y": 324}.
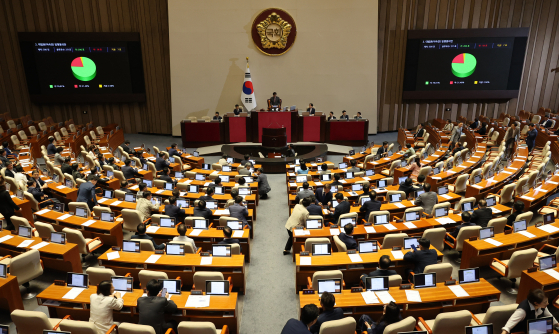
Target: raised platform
{"x": 274, "y": 165}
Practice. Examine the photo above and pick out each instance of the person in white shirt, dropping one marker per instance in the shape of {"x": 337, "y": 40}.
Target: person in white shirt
{"x": 183, "y": 238}
{"x": 533, "y": 307}
{"x": 102, "y": 305}
{"x": 223, "y": 160}
{"x": 19, "y": 177}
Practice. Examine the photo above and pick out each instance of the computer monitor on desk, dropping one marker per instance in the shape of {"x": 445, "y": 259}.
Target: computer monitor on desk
{"x": 77, "y": 280}
{"x": 172, "y": 286}
{"x": 379, "y": 283}
{"x": 547, "y": 262}
{"x": 321, "y": 249}
{"x": 519, "y": 226}
{"x": 368, "y": 246}
{"x": 332, "y": 285}
{"x": 468, "y": 275}
{"x": 313, "y": 224}
{"x": 381, "y": 219}
{"x": 425, "y": 280}
{"x": 412, "y": 216}
{"x": 541, "y": 325}
{"x": 481, "y": 329}
{"x": 441, "y": 212}
{"x": 486, "y": 232}
{"x": 409, "y": 242}
{"x": 131, "y": 246}
{"x": 220, "y": 288}
{"x": 123, "y": 284}
{"x": 174, "y": 249}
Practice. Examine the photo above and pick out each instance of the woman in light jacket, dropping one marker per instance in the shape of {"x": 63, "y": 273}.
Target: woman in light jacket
{"x": 298, "y": 218}
{"x": 102, "y": 305}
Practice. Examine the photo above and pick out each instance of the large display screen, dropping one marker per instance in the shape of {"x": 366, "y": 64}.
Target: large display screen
{"x": 464, "y": 63}
{"x": 83, "y": 67}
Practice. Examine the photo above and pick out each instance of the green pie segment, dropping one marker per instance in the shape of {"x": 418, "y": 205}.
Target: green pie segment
{"x": 83, "y": 68}
{"x": 464, "y": 65}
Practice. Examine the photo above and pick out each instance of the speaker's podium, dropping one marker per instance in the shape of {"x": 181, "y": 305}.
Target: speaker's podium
{"x": 274, "y": 137}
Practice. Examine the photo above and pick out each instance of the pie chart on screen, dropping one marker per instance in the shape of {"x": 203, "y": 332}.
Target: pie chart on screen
{"x": 464, "y": 65}
{"x": 83, "y": 68}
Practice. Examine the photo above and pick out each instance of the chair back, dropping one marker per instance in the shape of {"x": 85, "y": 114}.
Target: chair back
{"x": 235, "y": 249}
{"x": 342, "y": 326}
{"x": 449, "y": 322}
{"x": 525, "y": 216}
{"x": 147, "y": 275}
{"x": 404, "y": 325}
{"x": 151, "y": 168}
{"x": 394, "y": 280}
{"x": 498, "y": 224}
{"x": 310, "y": 241}
{"x": 466, "y": 233}
{"x": 99, "y": 274}
{"x": 507, "y": 193}
{"x": 395, "y": 164}
{"x": 475, "y": 172}
{"x": 26, "y": 267}
{"x": 465, "y": 200}
{"x": 82, "y": 327}
{"x": 76, "y": 237}
{"x": 33, "y": 130}
{"x": 131, "y": 219}
{"x": 20, "y": 221}
{"x": 44, "y": 229}
{"x": 347, "y": 215}
{"x": 389, "y": 180}
{"x": 145, "y": 245}
{"x": 73, "y": 205}
{"x": 425, "y": 171}
{"x": 30, "y": 322}
{"x": 196, "y": 327}
{"x": 394, "y": 239}
{"x": 340, "y": 245}
{"x": 325, "y": 274}
{"x": 439, "y": 206}
{"x": 377, "y": 213}
{"x": 188, "y": 249}
{"x": 436, "y": 236}
{"x": 498, "y": 315}
{"x": 200, "y": 278}
{"x": 443, "y": 271}
{"x": 521, "y": 260}
{"x": 98, "y": 209}
{"x": 126, "y": 328}
{"x": 34, "y": 204}
{"x": 520, "y": 183}
{"x": 461, "y": 183}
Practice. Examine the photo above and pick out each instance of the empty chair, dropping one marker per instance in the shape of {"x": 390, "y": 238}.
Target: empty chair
{"x": 200, "y": 327}
{"x": 395, "y": 239}
{"x": 439, "y": 206}
{"x": 20, "y": 221}
{"x": 525, "y": 216}
{"x": 200, "y": 278}
{"x": 97, "y": 210}
{"x": 496, "y": 315}
{"x": 443, "y": 271}
{"x": 471, "y": 200}
{"x": 377, "y": 213}
{"x": 99, "y": 274}
{"x": 72, "y": 206}
{"x": 506, "y": 194}
{"x": 404, "y": 325}
{"x": 436, "y": 236}
{"x": 512, "y": 269}
{"x": 394, "y": 280}
{"x": 389, "y": 172}
{"x": 85, "y": 245}
{"x": 446, "y": 322}
{"x": 33, "y": 322}
{"x": 460, "y": 184}
{"x": 82, "y": 327}
{"x": 310, "y": 241}
{"x": 44, "y": 229}
{"x": 26, "y": 267}
{"x": 131, "y": 218}
{"x": 465, "y": 233}
{"x": 348, "y": 215}
{"x": 341, "y": 326}
{"x": 147, "y": 275}
{"x": 325, "y": 274}
{"x": 126, "y": 328}
{"x": 498, "y": 224}
{"x": 145, "y": 244}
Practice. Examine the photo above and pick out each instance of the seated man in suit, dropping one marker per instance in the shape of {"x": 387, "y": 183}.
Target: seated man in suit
{"x": 124, "y": 187}
{"x": 324, "y": 169}
{"x": 466, "y": 221}
{"x": 9, "y": 153}
{"x": 309, "y": 316}
{"x": 66, "y": 167}
{"x": 76, "y": 172}
{"x": 172, "y": 210}
{"x": 239, "y": 211}
{"x": 141, "y": 234}
{"x": 275, "y": 101}
{"x": 384, "y": 264}
{"x": 547, "y": 122}
{"x": 111, "y": 162}
{"x": 314, "y": 209}
{"x": 217, "y": 117}
{"x": 422, "y": 257}
{"x": 382, "y": 151}
{"x": 353, "y": 168}
{"x": 161, "y": 163}
{"x": 153, "y": 307}
{"x": 420, "y": 131}
{"x": 311, "y": 109}
{"x": 474, "y": 124}
{"x": 344, "y": 115}
{"x": 246, "y": 159}
{"x": 327, "y": 301}
{"x": 51, "y": 148}
{"x": 128, "y": 171}
{"x": 237, "y": 110}
{"x": 141, "y": 188}
{"x": 331, "y": 116}
{"x": 518, "y": 207}
{"x": 223, "y": 160}
{"x": 346, "y": 237}
{"x": 306, "y": 192}
{"x": 174, "y": 152}
{"x": 341, "y": 208}
{"x": 3, "y": 157}
{"x": 58, "y": 158}
{"x": 227, "y": 233}
{"x": 40, "y": 183}
{"x": 358, "y": 116}
{"x": 336, "y": 182}
{"x": 246, "y": 169}
{"x": 428, "y": 199}
{"x": 370, "y": 206}
{"x": 407, "y": 186}
{"x": 201, "y": 211}
{"x": 165, "y": 175}
{"x": 86, "y": 192}
{"x": 181, "y": 229}
{"x": 324, "y": 195}
{"x": 216, "y": 183}
{"x": 290, "y": 151}
{"x": 10, "y": 170}
{"x": 101, "y": 160}
{"x": 482, "y": 215}
{"x": 37, "y": 193}
{"x": 126, "y": 147}
{"x": 209, "y": 194}
{"x": 410, "y": 150}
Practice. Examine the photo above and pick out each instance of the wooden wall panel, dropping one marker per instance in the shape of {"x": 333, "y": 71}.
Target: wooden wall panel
{"x": 539, "y": 87}
{"x": 148, "y": 17}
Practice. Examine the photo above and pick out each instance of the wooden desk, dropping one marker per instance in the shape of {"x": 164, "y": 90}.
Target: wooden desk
{"x": 384, "y": 163}
{"x": 352, "y": 271}
{"x": 63, "y": 193}
{"x": 433, "y": 301}
{"x": 223, "y": 310}
{"x": 110, "y": 233}
{"x": 65, "y": 258}
{"x": 466, "y": 167}
{"x": 538, "y": 280}
{"x": 481, "y": 253}
{"x": 183, "y": 266}
{"x": 26, "y": 211}
{"x": 10, "y": 297}
{"x": 538, "y": 196}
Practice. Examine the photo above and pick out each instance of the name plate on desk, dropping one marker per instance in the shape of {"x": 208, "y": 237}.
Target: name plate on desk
{"x": 196, "y": 292}
{"x": 59, "y": 282}
{"x": 357, "y": 289}
{"x": 473, "y": 238}
{"x": 333, "y": 226}
{"x": 308, "y": 291}
{"x": 450, "y": 282}
{"x": 115, "y": 248}
{"x": 532, "y": 269}
{"x": 405, "y": 286}
{"x": 220, "y": 228}
{"x": 368, "y": 224}
{"x": 304, "y": 254}
{"x": 508, "y": 231}
{"x": 397, "y": 248}
{"x": 159, "y": 251}
{"x": 204, "y": 253}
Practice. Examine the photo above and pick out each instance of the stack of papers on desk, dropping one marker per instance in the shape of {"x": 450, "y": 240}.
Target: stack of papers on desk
{"x": 42, "y": 212}
{"x": 410, "y": 225}
{"x": 186, "y": 182}
{"x": 458, "y": 290}
{"x": 292, "y": 184}
{"x": 206, "y": 260}
{"x": 398, "y": 255}
{"x": 413, "y": 296}
{"x": 446, "y": 196}
{"x": 153, "y": 258}
{"x": 134, "y": 187}
{"x": 435, "y": 177}
{"x": 551, "y": 182}
{"x": 305, "y": 261}
{"x": 160, "y": 191}
{"x": 99, "y": 201}
{"x": 527, "y": 234}
{"x": 182, "y": 193}
{"x": 64, "y": 217}
{"x": 549, "y": 228}
{"x": 152, "y": 229}
{"x": 370, "y": 229}
{"x": 25, "y": 243}
{"x": 355, "y": 258}
{"x": 528, "y": 198}
{"x": 389, "y": 227}
{"x": 197, "y": 301}
{"x": 89, "y": 222}
{"x": 476, "y": 186}
{"x": 324, "y": 211}
{"x": 495, "y": 210}
{"x": 318, "y": 183}
{"x": 291, "y": 174}
{"x": 222, "y": 212}
{"x": 366, "y": 178}
{"x": 493, "y": 242}
{"x": 196, "y": 231}
{"x": 301, "y": 232}
{"x": 40, "y": 245}
{"x": 399, "y": 205}
{"x": 116, "y": 203}
{"x": 113, "y": 255}
{"x": 445, "y": 220}
{"x": 73, "y": 293}
{"x": 552, "y": 273}
{"x": 61, "y": 187}
{"x": 334, "y": 231}
{"x": 369, "y": 297}
{"x": 343, "y": 181}
{"x": 239, "y": 234}
{"x": 384, "y": 297}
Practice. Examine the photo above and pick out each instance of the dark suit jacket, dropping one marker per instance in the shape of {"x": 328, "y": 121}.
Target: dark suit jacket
{"x": 349, "y": 242}
{"x": 237, "y": 111}
{"x": 161, "y": 163}
{"x": 342, "y": 208}
{"x": 369, "y": 207}
{"x": 127, "y": 149}
{"x": 152, "y": 312}
{"x": 175, "y": 211}
{"x": 331, "y": 117}
{"x": 421, "y": 258}
{"x": 378, "y": 272}
{"x": 129, "y": 172}
{"x": 7, "y": 205}
{"x": 474, "y": 125}
{"x": 294, "y": 326}
{"x": 77, "y": 175}
{"x": 206, "y": 213}
{"x": 206, "y": 198}
{"x": 420, "y": 133}
{"x": 9, "y": 173}
{"x": 217, "y": 118}
{"x": 548, "y": 123}
{"x": 174, "y": 152}
{"x": 311, "y": 111}
{"x": 344, "y": 116}
{"x": 333, "y": 314}
{"x": 482, "y": 216}
{"x": 240, "y": 212}
{"x": 37, "y": 193}
{"x": 482, "y": 131}
{"x": 407, "y": 189}
{"x": 51, "y": 149}
{"x": 457, "y": 228}
{"x": 382, "y": 150}
{"x": 86, "y": 193}
{"x": 65, "y": 168}
{"x": 126, "y": 190}
{"x": 314, "y": 210}
{"x": 148, "y": 237}
{"x": 323, "y": 198}
{"x": 227, "y": 241}
{"x": 512, "y": 217}
{"x": 275, "y": 101}
{"x": 166, "y": 178}
{"x": 531, "y": 138}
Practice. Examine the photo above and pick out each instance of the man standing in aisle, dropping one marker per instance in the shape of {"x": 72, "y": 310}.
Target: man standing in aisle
{"x": 531, "y": 137}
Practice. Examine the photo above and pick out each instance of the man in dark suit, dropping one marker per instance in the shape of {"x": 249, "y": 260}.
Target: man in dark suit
{"x": 358, "y": 116}
{"x": 245, "y": 160}
{"x": 407, "y": 186}
{"x": 172, "y": 210}
{"x": 160, "y": 162}
{"x": 209, "y": 194}
{"x": 327, "y": 301}
{"x": 341, "y": 208}
{"x": 547, "y": 122}
{"x": 324, "y": 195}
{"x": 86, "y": 192}
{"x": 37, "y": 193}
{"x": 76, "y": 174}
{"x": 201, "y": 211}
{"x": 336, "y": 181}
{"x": 101, "y": 160}
{"x": 126, "y": 147}
{"x": 483, "y": 214}
{"x": 305, "y": 192}
{"x": 474, "y": 124}
{"x": 263, "y": 185}
{"x": 165, "y": 175}
{"x": 466, "y": 221}
{"x": 153, "y": 307}
{"x": 3, "y": 157}
{"x": 174, "y": 152}
{"x": 124, "y": 187}
{"x": 311, "y": 109}
{"x": 384, "y": 263}
{"x": 346, "y": 237}
{"x": 9, "y": 170}
{"x": 331, "y": 116}
{"x": 111, "y": 162}
{"x": 290, "y": 151}
{"x": 237, "y": 110}
{"x": 217, "y": 117}
{"x": 239, "y": 211}
{"x": 383, "y": 149}
{"x": 51, "y": 148}
{"x": 216, "y": 183}
{"x": 66, "y": 168}
{"x": 314, "y": 209}
{"x": 420, "y": 131}
{"x": 422, "y": 257}
{"x": 309, "y": 315}
{"x": 370, "y": 206}
{"x": 275, "y": 100}
{"x": 518, "y": 207}
{"x": 141, "y": 234}
{"x": 40, "y": 183}
{"x": 128, "y": 171}
{"x": 531, "y": 137}
{"x": 227, "y": 233}
{"x": 344, "y": 115}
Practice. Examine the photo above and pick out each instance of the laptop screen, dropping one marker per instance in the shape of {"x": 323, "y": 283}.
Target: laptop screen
{"x": 548, "y": 262}
{"x": 540, "y": 326}
{"x": 167, "y": 222}
{"x": 424, "y": 280}
{"x": 321, "y": 249}
{"x": 196, "y": 153}
{"x": 192, "y": 189}
{"x": 244, "y": 191}
{"x": 248, "y": 179}
{"x": 349, "y": 175}
{"x": 212, "y": 205}
{"x": 178, "y": 175}
{"x": 221, "y": 250}
{"x": 412, "y": 216}
{"x": 548, "y": 218}
{"x": 206, "y": 166}
{"x": 357, "y": 187}
{"x": 124, "y": 284}
{"x": 394, "y": 198}
{"x": 442, "y": 190}
{"x": 3, "y": 270}
{"x": 481, "y": 329}
{"x": 301, "y": 178}
{"x": 378, "y": 283}
{"x": 519, "y": 226}
{"x": 59, "y": 207}
{"x": 172, "y": 160}
{"x": 436, "y": 170}
{"x": 313, "y": 224}
{"x": 107, "y": 216}
{"x": 491, "y": 201}
{"x": 325, "y": 177}
{"x": 68, "y": 183}
{"x": 345, "y": 221}
{"x": 169, "y": 186}
{"x": 468, "y": 275}
{"x": 217, "y": 288}
{"x": 369, "y": 172}
{"x": 477, "y": 179}
{"x": 235, "y": 224}
{"x": 485, "y": 233}
{"x": 408, "y": 242}
{"x": 24, "y": 231}
{"x": 419, "y": 192}
{"x": 58, "y": 238}
{"x": 381, "y": 219}
{"x": 468, "y": 206}
{"x": 402, "y": 179}
{"x": 368, "y": 246}
{"x": 200, "y": 177}
{"x": 342, "y": 165}
{"x": 131, "y": 246}
{"x": 130, "y": 198}
{"x": 381, "y": 183}
{"x": 441, "y": 212}
{"x": 333, "y": 285}
{"x": 174, "y": 249}
{"x": 201, "y": 223}
{"x": 80, "y": 212}
{"x": 182, "y": 203}
{"x": 225, "y": 168}
{"x": 77, "y": 280}
{"x": 364, "y": 199}
{"x": 229, "y": 160}
{"x": 148, "y": 183}
{"x": 219, "y": 190}
{"x": 173, "y": 286}
{"x": 108, "y": 194}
